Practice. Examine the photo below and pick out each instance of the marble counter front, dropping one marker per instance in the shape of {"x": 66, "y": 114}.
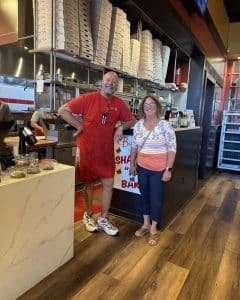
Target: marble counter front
{"x": 36, "y": 228}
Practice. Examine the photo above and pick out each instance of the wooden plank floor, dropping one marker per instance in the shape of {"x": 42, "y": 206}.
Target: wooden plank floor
{"x": 197, "y": 257}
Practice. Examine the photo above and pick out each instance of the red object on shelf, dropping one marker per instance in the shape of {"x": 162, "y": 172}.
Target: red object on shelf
{"x": 178, "y": 75}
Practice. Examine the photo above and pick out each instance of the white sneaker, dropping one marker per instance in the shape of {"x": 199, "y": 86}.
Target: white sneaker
{"x": 105, "y": 225}
{"x": 89, "y": 222}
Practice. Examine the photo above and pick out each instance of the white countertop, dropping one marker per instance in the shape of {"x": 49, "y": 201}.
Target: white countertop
{"x": 7, "y": 180}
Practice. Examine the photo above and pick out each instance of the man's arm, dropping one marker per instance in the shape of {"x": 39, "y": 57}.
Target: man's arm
{"x": 129, "y": 124}
{"x": 35, "y": 119}
{"x": 36, "y": 126}
{"x": 66, "y": 113}
{"x": 119, "y": 131}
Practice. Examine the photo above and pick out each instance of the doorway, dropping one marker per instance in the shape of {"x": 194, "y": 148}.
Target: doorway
{"x": 204, "y": 166}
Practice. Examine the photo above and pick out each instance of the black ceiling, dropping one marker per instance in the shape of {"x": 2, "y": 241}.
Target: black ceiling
{"x": 233, "y": 10}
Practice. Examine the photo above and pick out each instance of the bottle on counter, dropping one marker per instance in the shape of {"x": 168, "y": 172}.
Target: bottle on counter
{"x": 173, "y": 119}
{"x": 184, "y": 121}
{"x": 167, "y": 114}
{"x": 170, "y": 118}
{"x": 178, "y": 75}
{"x": 178, "y": 119}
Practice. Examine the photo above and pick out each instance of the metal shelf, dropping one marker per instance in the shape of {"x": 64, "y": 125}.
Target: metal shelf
{"x": 82, "y": 86}
{"x": 70, "y": 56}
{"x": 231, "y": 150}
{"x": 232, "y": 132}
{"x": 232, "y": 114}
{"x": 231, "y": 141}
{"x": 233, "y": 162}
{"x": 231, "y": 159}
{"x": 230, "y": 167}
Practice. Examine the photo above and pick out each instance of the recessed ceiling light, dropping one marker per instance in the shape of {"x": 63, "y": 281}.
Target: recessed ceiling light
{"x": 25, "y": 48}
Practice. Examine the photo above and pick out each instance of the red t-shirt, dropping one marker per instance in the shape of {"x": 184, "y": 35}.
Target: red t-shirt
{"x": 96, "y": 139}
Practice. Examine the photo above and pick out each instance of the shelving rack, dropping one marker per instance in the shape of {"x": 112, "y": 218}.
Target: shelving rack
{"x": 229, "y": 150}
{"x": 56, "y": 54}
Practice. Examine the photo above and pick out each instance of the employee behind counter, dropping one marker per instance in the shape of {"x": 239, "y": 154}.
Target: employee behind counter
{"x": 39, "y": 122}
{"x": 39, "y": 118}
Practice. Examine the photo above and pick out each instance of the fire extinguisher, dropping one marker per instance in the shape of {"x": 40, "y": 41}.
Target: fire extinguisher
{"x": 178, "y": 75}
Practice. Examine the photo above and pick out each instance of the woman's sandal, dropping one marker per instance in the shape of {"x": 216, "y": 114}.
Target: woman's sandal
{"x": 141, "y": 232}
{"x": 153, "y": 239}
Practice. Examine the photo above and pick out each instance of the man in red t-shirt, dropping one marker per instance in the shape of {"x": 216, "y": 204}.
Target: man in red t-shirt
{"x": 100, "y": 111}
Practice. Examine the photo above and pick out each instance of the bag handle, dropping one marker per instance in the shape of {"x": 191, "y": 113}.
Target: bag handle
{"x": 144, "y": 141}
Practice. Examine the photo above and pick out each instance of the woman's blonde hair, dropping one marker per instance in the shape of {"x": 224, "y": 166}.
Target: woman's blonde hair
{"x": 141, "y": 107}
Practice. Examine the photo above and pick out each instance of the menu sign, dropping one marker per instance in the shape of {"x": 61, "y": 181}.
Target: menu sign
{"x": 122, "y": 179}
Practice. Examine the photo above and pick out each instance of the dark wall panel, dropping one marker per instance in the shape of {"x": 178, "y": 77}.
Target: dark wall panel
{"x": 195, "y": 86}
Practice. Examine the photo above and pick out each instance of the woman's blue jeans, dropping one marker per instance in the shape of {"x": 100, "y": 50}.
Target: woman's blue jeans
{"x": 151, "y": 188}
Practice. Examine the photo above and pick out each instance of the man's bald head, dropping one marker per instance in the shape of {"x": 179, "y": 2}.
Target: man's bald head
{"x": 109, "y": 84}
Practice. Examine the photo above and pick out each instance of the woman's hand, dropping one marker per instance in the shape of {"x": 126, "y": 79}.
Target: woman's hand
{"x": 167, "y": 175}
